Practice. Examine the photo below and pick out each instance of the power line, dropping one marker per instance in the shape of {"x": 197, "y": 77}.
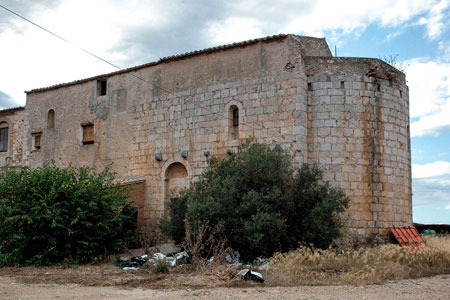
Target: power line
{"x": 59, "y": 37}
{"x": 80, "y": 48}
{"x": 111, "y": 64}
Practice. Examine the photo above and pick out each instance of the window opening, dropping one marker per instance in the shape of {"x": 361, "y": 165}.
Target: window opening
{"x": 88, "y": 133}
{"x": 233, "y": 125}
{"x": 101, "y": 87}
{"x": 236, "y": 117}
{"x": 36, "y": 141}
{"x": 3, "y": 137}
{"x": 51, "y": 119}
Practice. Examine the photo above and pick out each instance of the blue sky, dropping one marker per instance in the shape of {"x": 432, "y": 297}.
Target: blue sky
{"x": 127, "y": 33}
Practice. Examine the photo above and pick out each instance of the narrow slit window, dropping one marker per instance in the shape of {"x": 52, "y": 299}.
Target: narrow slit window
{"x": 51, "y": 119}
{"x": 88, "y": 133}
{"x": 101, "y": 87}
{"x": 233, "y": 123}
{"x": 3, "y": 137}
{"x": 236, "y": 117}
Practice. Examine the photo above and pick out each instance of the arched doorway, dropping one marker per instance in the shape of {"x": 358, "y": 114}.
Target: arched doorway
{"x": 176, "y": 178}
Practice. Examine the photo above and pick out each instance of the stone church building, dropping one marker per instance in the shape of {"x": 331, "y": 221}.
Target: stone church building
{"x": 160, "y": 122}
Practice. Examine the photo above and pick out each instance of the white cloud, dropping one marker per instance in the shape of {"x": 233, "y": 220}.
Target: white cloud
{"x": 436, "y": 168}
{"x": 447, "y": 206}
{"x": 433, "y": 124}
{"x": 44, "y": 61}
{"x": 394, "y": 34}
{"x": 431, "y": 183}
{"x": 432, "y": 190}
{"x": 434, "y": 21}
{"x": 337, "y": 18}
{"x": 429, "y": 85}
{"x": 234, "y": 29}
{"x": 132, "y": 32}
{"x": 444, "y": 48}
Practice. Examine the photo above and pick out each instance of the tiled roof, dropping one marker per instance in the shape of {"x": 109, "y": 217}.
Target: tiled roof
{"x": 165, "y": 60}
{"x": 12, "y": 109}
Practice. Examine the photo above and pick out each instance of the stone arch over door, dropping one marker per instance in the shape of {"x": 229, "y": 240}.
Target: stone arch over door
{"x": 175, "y": 179}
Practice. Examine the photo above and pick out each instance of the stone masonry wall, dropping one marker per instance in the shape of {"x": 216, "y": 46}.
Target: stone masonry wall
{"x": 161, "y": 122}
{"x": 186, "y": 110}
{"x": 15, "y": 119}
{"x": 74, "y": 106}
{"x": 265, "y": 82}
{"x": 359, "y": 131}
{"x": 271, "y": 109}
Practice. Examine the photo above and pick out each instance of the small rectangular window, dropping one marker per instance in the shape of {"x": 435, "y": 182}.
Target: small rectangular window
{"x": 4, "y": 139}
{"x": 88, "y": 133}
{"x": 101, "y": 87}
{"x": 37, "y": 141}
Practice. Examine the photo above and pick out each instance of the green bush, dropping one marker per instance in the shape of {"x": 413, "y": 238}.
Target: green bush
{"x": 161, "y": 266}
{"x": 258, "y": 203}
{"x": 50, "y": 215}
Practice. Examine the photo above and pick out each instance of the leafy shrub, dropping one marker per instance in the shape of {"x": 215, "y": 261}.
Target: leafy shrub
{"x": 160, "y": 266}
{"x": 49, "y": 215}
{"x": 258, "y": 203}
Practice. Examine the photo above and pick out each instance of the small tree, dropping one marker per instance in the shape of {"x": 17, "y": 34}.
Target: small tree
{"x": 313, "y": 209}
{"x": 49, "y": 214}
{"x": 258, "y": 203}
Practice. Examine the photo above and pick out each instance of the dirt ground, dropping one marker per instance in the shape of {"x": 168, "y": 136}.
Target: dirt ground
{"x": 109, "y": 282}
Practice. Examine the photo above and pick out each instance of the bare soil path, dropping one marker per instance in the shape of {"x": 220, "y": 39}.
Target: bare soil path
{"x": 15, "y": 288}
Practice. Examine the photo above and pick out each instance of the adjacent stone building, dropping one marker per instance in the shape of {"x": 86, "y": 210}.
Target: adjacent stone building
{"x": 159, "y": 123}
{"x": 11, "y": 137}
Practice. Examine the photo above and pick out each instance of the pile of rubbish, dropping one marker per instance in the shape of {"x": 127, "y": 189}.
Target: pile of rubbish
{"x": 247, "y": 275}
{"x": 135, "y": 262}
{"x": 185, "y": 258}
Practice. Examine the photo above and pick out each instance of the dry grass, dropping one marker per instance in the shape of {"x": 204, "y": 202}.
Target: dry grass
{"x": 363, "y": 266}
{"x": 299, "y": 267}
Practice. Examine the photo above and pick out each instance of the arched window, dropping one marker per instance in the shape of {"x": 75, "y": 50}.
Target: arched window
{"x": 4, "y": 136}
{"x": 51, "y": 119}
{"x": 233, "y": 123}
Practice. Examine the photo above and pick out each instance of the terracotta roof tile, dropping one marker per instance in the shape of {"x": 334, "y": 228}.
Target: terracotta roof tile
{"x": 11, "y": 109}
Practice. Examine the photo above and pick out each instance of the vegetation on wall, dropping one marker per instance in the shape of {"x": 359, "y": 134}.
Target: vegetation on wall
{"x": 258, "y": 203}
{"x": 50, "y": 215}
